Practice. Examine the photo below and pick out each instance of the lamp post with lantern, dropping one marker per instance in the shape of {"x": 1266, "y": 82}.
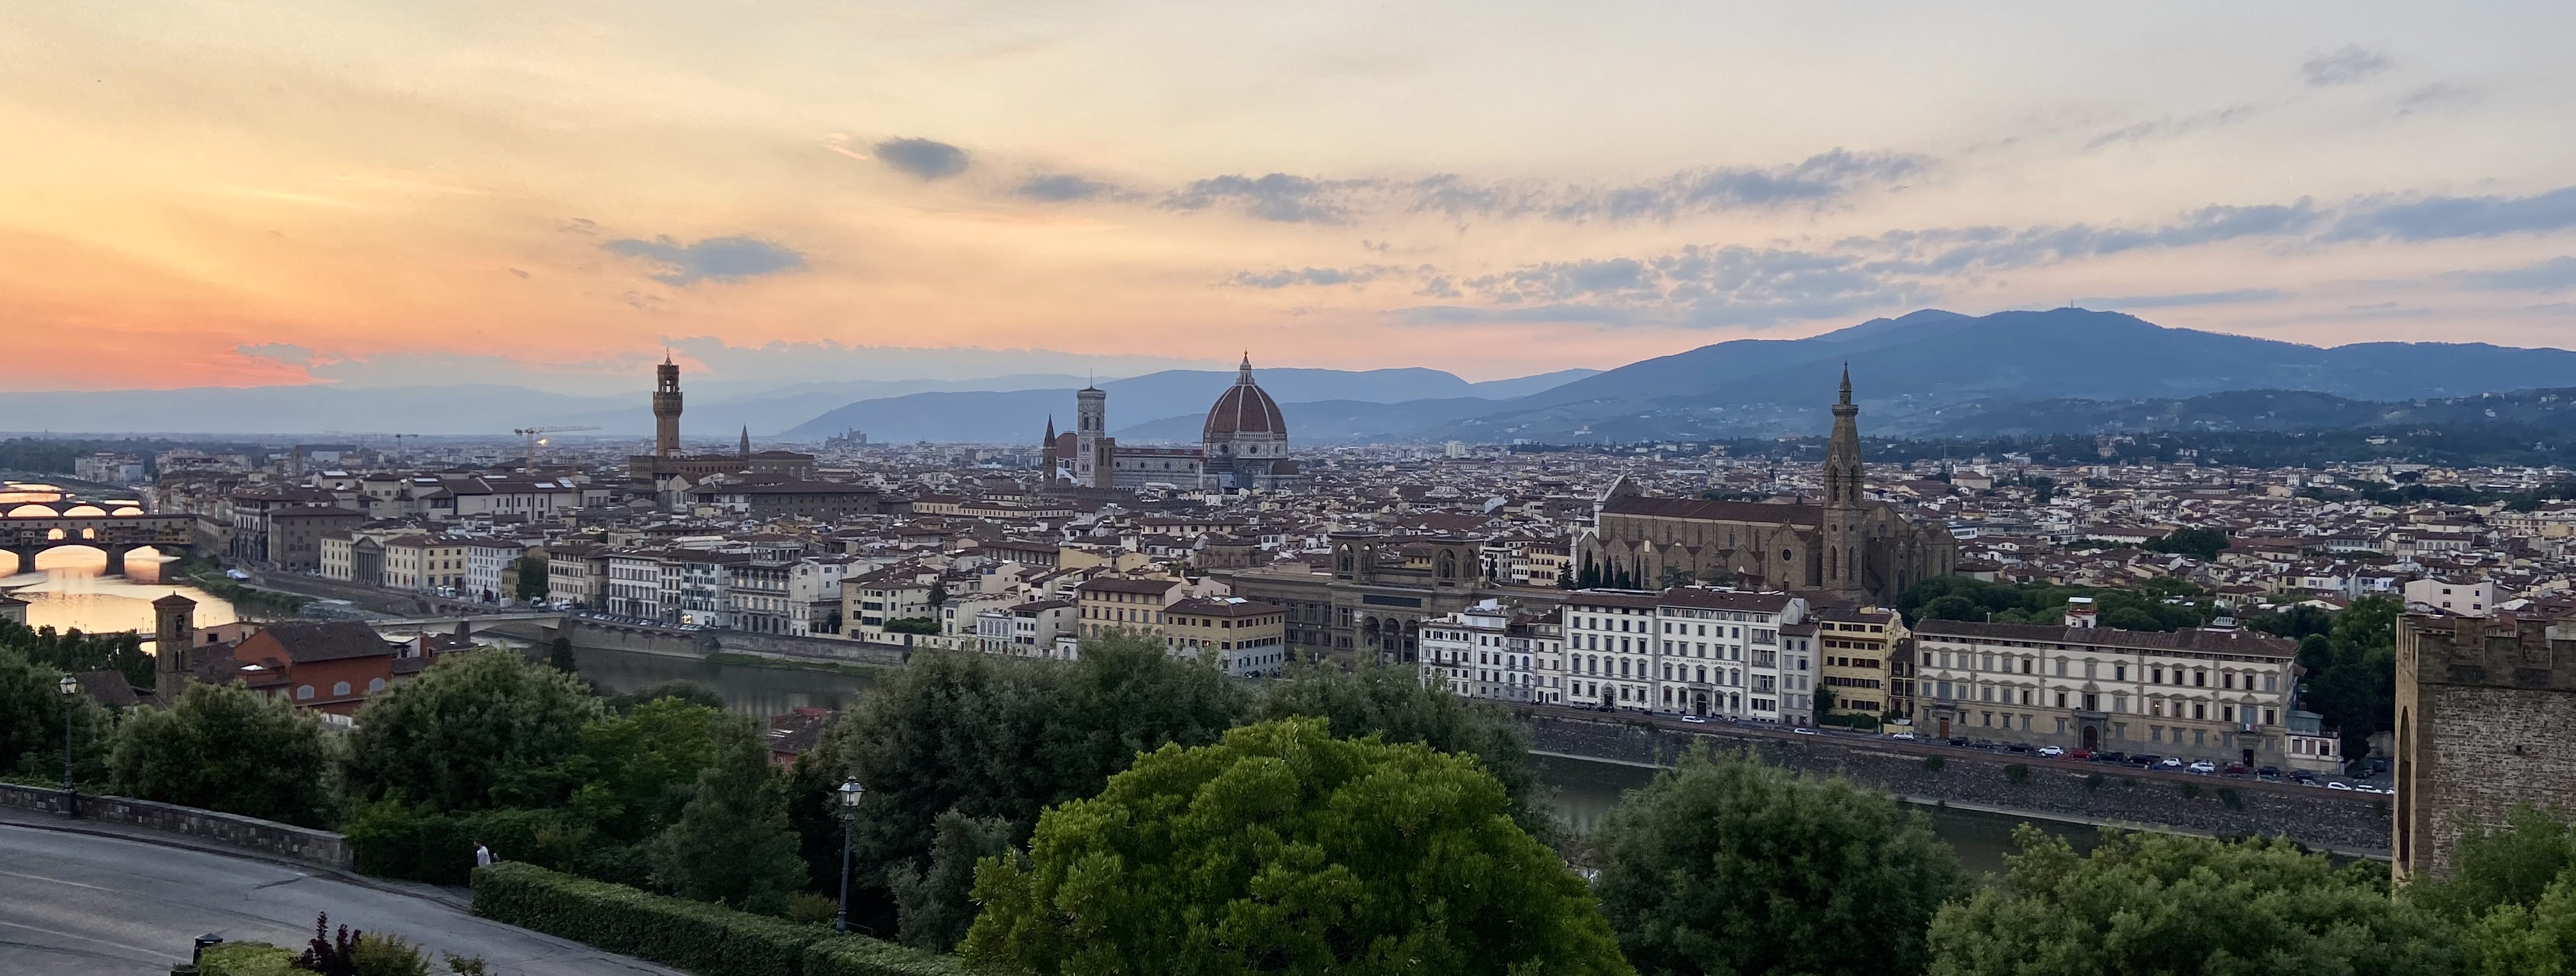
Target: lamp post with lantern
{"x": 850, "y": 792}
{"x": 71, "y": 791}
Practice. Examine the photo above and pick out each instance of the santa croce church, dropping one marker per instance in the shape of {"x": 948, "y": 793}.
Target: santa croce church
{"x": 1849, "y": 548}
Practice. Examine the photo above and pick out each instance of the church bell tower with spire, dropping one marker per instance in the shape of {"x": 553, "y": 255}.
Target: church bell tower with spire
{"x": 1843, "y": 543}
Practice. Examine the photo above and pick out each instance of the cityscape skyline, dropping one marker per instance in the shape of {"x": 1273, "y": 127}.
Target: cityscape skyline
{"x": 364, "y": 194}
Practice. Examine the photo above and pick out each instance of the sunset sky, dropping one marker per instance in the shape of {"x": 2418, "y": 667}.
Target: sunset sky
{"x": 381, "y": 193}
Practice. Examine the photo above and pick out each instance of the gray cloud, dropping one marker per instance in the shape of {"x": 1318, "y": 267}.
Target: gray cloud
{"x": 1814, "y": 181}
{"x": 1060, "y": 188}
{"x": 2440, "y": 96}
{"x": 1284, "y": 277}
{"x": 925, "y": 158}
{"x": 2346, "y": 65}
{"x": 2172, "y": 125}
{"x": 284, "y": 352}
{"x": 1276, "y": 197}
{"x": 715, "y": 258}
{"x": 2182, "y": 300}
{"x": 1945, "y": 250}
{"x": 2550, "y": 275}
{"x": 1701, "y": 287}
{"x": 2443, "y": 218}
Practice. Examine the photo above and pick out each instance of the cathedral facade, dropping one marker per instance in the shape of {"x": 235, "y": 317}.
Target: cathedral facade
{"x": 1847, "y": 547}
{"x": 1243, "y": 446}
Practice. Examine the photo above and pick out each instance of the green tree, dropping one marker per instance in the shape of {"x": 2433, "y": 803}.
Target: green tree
{"x": 1284, "y": 850}
{"x": 680, "y": 688}
{"x": 532, "y": 579}
{"x": 731, "y": 843}
{"x": 934, "y": 907}
{"x": 2352, "y": 672}
{"x": 2201, "y": 544}
{"x": 2539, "y": 940}
{"x": 1723, "y": 865}
{"x": 1394, "y": 705}
{"x": 2512, "y": 864}
{"x": 225, "y": 748}
{"x": 638, "y": 769}
{"x": 559, "y": 655}
{"x": 2145, "y": 903}
{"x": 480, "y": 729}
{"x": 31, "y": 724}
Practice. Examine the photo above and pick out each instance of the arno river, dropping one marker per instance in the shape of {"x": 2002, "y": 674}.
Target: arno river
{"x": 69, "y": 590}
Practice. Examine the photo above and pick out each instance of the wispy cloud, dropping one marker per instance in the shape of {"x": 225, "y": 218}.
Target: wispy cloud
{"x": 2173, "y": 125}
{"x": 2234, "y": 297}
{"x": 2443, "y": 217}
{"x": 712, "y": 259}
{"x": 2346, "y": 65}
{"x": 2550, "y": 275}
{"x": 1285, "y": 277}
{"x": 1061, "y": 188}
{"x": 1815, "y": 181}
{"x": 284, "y": 352}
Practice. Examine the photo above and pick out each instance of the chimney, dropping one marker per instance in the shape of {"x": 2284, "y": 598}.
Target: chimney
{"x": 2080, "y": 612}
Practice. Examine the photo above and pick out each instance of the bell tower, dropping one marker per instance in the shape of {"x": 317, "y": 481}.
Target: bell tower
{"x": 174, "y": 633}
{"x": 666, "y": 408}
{"x": 1843, "y": 544}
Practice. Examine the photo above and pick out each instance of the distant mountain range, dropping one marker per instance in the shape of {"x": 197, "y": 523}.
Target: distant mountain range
{"x": 1928, "y": 373}
{"x": 2543, "y": 410}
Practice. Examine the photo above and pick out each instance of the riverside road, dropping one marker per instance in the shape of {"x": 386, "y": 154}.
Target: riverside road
{"x": 78, "y": 905}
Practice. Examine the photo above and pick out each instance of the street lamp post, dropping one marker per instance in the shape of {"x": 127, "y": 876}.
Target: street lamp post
{"x": 71, "y": 791}
{"x": 850, "y": 792}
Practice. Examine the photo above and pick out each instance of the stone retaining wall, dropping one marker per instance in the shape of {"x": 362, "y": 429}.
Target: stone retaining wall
{"x": 2348, "y": 823}
{"x": 268, "y": 837}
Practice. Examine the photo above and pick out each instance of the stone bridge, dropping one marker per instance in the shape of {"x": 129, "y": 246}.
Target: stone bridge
{"x": 32, "y": 533}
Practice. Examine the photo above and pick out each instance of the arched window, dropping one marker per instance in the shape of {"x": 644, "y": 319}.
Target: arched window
{"x": 339, "y": 689}
{"x": 375, "y": 685}
{"x": 303, "y": 692}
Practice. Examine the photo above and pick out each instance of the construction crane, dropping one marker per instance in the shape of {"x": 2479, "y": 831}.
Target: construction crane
{"x": 531, "y": 434}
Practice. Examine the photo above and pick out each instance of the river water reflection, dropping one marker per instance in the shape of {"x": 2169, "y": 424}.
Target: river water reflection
{"x": 756, "y": 691}
{"x": 1586, "y": 789}
{"x": 70, "y": 589}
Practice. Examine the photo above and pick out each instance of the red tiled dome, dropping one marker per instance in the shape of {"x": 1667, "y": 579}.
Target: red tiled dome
{"x": 1244, "y": 409}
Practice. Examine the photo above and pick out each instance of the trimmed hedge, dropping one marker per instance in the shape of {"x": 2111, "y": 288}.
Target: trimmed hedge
{"x": 857, "y": 955}
{"x": 245, "y": 959}
{"x": 703, "y": 938}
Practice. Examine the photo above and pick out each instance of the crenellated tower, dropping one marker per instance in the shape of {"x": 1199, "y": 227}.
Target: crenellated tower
{"x": 666, "y": 408}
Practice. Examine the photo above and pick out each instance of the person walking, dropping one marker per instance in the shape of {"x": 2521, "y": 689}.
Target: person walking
{"x": 482, "y": 855}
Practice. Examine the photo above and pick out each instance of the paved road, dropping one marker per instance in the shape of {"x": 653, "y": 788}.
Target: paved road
{"x": 79, "y": 905}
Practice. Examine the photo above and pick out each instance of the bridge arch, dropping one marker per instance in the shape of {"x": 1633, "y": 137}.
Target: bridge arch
{"x": 33, "y": 510}
{"x": 75, "y": 553}
{"x": 84, "y": 511}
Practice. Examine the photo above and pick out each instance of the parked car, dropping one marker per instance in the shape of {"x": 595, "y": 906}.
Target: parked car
{"x": 1960, "y": 741}
{"x": 2079, "y": 754}
{"x": 2339, "y": 785}
{"x": 2051, "y": 752}
{"x": 2145, "y": 759}
{"x": 2111, "y": 757}
{"x": 1694, "y": 720}
{"x": 2170, "y": 762}
{"x": 2203, "y": 767}
{"x": 2236, "y": 769}
{"x": 2018, "y": 747}
{"x": 1803, "y": 730}
{"x": 1907, "y": 736}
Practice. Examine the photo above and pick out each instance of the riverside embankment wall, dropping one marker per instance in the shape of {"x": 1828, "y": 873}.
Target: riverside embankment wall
{"x": 2348, "y": 823}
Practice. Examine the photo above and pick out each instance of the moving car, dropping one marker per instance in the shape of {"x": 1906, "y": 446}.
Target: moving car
{"x": 2170, "y": 762}
{"x": 1694, "y": 720}
{"x": 2203, "y": 767}
{"x": 2339, "y": 785}
{"x": 1907, "y": 736}
{"x": 1803, "y": 730}
{"x": 2051, "y": 751}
